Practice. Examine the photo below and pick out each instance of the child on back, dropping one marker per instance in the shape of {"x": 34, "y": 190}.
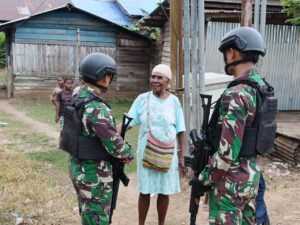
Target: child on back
{"x": 63, "y": 97}
{"x": 60, "y": 83}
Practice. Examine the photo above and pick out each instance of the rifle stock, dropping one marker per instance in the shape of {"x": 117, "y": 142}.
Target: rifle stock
{"x": 118, "y": 170}
{"x": 200, "y": 156}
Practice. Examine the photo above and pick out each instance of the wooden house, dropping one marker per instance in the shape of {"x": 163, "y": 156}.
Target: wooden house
{"x": 49, "y": 44}
{"x": 160, "y": 18}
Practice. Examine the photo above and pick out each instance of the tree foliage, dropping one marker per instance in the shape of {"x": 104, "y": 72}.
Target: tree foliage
{"x": 2, "y": 50}
{"x": 152, "y": 32}
{"x": 292, "y": 8}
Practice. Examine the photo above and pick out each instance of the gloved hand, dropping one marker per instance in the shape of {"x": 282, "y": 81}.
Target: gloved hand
{"x": 198, "y": 185}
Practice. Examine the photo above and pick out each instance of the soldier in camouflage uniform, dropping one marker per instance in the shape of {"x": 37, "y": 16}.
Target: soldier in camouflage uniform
{"x": 92, "y": 179}
{"x": 234, "y": 179}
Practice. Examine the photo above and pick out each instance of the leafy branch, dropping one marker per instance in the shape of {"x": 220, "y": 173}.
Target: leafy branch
{"x": 292, "y": 8}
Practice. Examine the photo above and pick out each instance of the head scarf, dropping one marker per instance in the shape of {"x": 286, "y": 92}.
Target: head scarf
{"x": 162, "y": 70}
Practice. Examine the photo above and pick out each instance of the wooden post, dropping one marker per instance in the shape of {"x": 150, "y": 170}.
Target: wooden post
{"x": 76, "y": 82}
{"x": 246, "y": 17}
{"x": 176, "y": 44}
{"x": 9, "y": 52}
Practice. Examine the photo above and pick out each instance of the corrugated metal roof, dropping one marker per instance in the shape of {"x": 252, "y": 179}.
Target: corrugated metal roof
{"x": 107, "y": 10}
{"x": 138, "y": 7}
{"x": 14, "y": 9}
{"x": 114, "y": 20}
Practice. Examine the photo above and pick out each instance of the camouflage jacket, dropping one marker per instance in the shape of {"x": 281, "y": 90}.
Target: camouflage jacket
{"x": 98, "y": 122}
{"x": 237, "y": 111}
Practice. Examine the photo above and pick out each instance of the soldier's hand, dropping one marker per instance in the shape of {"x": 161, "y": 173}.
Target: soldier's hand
{"x": 128, "y": 160}
{"x": 119, "y": 128}
{"x": 198, "y": 185}
{"x": 130, "y": 154}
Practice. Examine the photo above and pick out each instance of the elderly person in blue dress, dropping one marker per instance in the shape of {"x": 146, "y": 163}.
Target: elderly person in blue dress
{"x": 160, "y": 113}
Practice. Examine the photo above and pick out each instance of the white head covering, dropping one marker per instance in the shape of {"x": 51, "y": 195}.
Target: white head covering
{"x": 162, "y": 70}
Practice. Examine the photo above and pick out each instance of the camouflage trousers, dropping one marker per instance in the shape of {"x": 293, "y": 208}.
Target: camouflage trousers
{"x": 93, "y": 185}
{"x": 231, "y": 201}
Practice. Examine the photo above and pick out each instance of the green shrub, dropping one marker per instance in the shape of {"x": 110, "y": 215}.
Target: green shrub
{"x": 2, "y": 50}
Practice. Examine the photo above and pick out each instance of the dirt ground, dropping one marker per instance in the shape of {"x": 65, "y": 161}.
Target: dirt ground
{"x": 282, "y": 195}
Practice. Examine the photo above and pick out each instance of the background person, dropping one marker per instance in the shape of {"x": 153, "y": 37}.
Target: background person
{"x": 60, "y": 85}
{"x": 62, "y": 98}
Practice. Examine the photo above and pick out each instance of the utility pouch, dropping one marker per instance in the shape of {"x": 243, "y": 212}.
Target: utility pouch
{"x": 71, "y": 139}
{"x": 259, "y": 138}
{"x": 68, "y": 140}
{"x": 267, "y": 126}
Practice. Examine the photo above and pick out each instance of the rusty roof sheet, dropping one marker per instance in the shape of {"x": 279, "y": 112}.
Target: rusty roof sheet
{"x": 14, "y": 9}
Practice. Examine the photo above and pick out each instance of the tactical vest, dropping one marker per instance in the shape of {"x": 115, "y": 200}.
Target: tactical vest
{"x": 71, "y": 136}
{"x": 259, "y": 138}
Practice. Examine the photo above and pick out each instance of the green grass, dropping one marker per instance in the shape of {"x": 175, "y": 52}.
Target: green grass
{"x": 119, "y": 107}
{"x": 44, "y": 111}
{"x": 10, "y": 122}
{"x": 35, "y": 139}
{"x": 41, "y": 110}
{"x": 57, "y": 158}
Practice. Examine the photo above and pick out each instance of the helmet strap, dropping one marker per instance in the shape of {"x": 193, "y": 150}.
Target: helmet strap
{"x": 227, "y": 66}
{"x": 104, "y": 89}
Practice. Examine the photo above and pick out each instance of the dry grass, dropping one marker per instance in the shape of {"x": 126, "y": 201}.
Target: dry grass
{"x": 26, "y": 192}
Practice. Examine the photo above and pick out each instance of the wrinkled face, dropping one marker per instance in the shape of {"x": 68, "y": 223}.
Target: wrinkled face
{"x": 68, "y": 84}
{"x": 60, "y": 82}
{"x": 158, "y": 83}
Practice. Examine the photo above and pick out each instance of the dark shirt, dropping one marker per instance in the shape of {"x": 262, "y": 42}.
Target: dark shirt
{"x": 63, "y": 98}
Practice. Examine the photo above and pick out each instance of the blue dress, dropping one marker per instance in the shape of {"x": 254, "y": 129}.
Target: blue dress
{"x": 166, "y": 120}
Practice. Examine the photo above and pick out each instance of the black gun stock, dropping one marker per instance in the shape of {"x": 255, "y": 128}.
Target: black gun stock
{"x": 118, "y": 170}
{"x": 200, "y": 156}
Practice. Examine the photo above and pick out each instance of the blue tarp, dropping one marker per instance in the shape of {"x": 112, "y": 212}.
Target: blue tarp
{"x": 136, "y": 7}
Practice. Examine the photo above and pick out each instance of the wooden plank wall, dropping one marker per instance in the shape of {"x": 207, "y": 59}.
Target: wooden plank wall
{"x": 49, "y": 45}
{"x": 63, "y": 26}
{"x": 133, "y": 57}
{"x": 166, "y": 52}
{"x": 36, "y": 66}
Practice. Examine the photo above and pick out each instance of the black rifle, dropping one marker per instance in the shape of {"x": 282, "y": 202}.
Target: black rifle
{"x": 200, "y": 156}
{"x": 118, "y": 170}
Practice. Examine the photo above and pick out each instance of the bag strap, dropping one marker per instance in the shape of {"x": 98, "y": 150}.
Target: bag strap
{"x": 148, "y": 113}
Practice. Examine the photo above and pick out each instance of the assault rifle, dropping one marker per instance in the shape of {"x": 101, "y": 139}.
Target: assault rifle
{"x": 200, "y": 156}
{"x": 118, "y": 170}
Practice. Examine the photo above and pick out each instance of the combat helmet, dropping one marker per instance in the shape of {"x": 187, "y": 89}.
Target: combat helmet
{"x": 243, "y": 39}
{"x": 96, "y": 65}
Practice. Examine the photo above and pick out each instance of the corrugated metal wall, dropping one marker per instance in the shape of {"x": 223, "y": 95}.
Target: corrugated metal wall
{"x": 280, "y": 66}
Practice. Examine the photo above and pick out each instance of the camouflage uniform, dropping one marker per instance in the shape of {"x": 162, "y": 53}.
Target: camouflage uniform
{"x": 234, "y": 179}
{"x": 93, "y": 179}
